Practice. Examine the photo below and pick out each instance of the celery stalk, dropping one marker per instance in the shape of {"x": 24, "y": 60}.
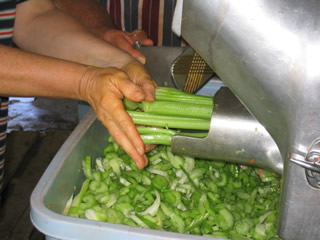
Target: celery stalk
{"x": 185, "y": 109}
{"x": 149, "y": 119}
{"x": 150, "y": 135}
{"x": 172, "y": 108}
{"x": 175, "y": 95}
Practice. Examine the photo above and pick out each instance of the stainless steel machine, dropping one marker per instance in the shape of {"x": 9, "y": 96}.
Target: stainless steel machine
{"x": 268, "y": 54}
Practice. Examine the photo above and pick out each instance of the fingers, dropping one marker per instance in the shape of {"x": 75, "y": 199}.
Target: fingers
{"x": 140, "y": 76}
{"x": 141, "y": 36}
{"x": 149, "y": 147}
{"x": 106, "y": 89}
{"x": 125, "y": 134}
{"x": 131, "y": 91}
{"x": 127, "y": 46}
{"x": 125, "y": 41}
{"x": 146, "y": 42}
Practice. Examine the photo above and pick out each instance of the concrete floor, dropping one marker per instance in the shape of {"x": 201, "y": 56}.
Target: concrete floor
{"x": 41, "y": 114}
{"x": 36, "y": 130}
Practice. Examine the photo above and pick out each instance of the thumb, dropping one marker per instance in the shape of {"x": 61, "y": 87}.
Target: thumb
{"x": 139, "y": 56}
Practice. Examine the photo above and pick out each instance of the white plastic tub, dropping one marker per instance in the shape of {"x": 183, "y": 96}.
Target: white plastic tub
{"x": 59, "y": 182}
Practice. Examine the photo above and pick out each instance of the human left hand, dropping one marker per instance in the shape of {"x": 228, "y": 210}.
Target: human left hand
{"x": 125, "y": 40}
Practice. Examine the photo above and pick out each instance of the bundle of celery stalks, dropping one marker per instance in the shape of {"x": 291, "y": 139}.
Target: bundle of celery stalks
{"x": 177, "y": 193}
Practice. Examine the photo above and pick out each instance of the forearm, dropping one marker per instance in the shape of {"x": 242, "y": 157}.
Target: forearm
{"x": 95, "y": 17}
{"x": 90, "y": 13}
{"x": 56, "y": 34}
{"x": 26, "y": 74}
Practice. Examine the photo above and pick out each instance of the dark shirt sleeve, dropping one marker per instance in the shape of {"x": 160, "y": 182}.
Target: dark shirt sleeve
{"x": 20, "y": 1}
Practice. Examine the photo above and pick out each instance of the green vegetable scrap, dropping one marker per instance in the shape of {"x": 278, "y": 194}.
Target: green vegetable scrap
{"x": 172, "y": 109}
{"x": 179, "y": 194}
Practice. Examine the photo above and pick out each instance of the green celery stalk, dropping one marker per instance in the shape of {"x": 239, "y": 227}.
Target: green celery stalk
{"x": 178, "y": 109}
{"x": 150, "y": 119}
{"x": 175, "y": 95}
{"x": 158, "y": 138}
{"x": 150, "y": 135}
{"x": 151, "y": 130}
{"x": 170, "y": 108}
{"x": 148, "y": 130}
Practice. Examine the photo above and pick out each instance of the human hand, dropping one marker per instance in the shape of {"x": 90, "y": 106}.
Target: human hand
{"x": 104, "y": 90}
{"x": 125, "y": 40}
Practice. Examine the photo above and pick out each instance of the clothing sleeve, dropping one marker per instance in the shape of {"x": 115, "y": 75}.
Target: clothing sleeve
{"x": 20, "y": 1}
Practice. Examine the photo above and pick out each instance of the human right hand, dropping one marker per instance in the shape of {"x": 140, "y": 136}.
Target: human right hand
{"x": 125, "y": 41}
{"x": 104, "y": 90}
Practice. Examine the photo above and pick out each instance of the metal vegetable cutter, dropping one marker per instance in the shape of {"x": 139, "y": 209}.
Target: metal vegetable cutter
{"x": 267, "y": 53}
{"x": 189, "y": 71}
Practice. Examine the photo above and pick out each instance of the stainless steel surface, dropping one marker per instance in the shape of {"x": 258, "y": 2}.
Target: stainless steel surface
{"x": 159, "y": 62}
{"x": 267, "y": 52}
{"x": 310, "y": 162}
{"x": 313, "y": 166}
{"x": 173, "y": 66}
{"x": 234, "y": 136}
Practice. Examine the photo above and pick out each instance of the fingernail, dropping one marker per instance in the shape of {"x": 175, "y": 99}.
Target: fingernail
{"x": 150, "y": 97}
{"x": 141, "y": 150}
{"x": 145, "y": 160}
{"x": 140, "y": 165}
{"x": 142, "y": 60}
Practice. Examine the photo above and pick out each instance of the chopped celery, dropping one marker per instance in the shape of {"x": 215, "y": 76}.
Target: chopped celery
{"x": 152, "y": 210}
{"x": 226, "y": 219}
{"x": 96, "y": 215}
{"x": 68, "y": 205}
{"x": 160, "y": 182}
{"x": 176, "y": 220}
{"x": 86, "y": 164}
{"x": 78, "y": 198}
{"x": 180, "y": 194}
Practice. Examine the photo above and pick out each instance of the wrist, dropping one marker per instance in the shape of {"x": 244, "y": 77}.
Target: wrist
{"x": 85, "y": 82}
